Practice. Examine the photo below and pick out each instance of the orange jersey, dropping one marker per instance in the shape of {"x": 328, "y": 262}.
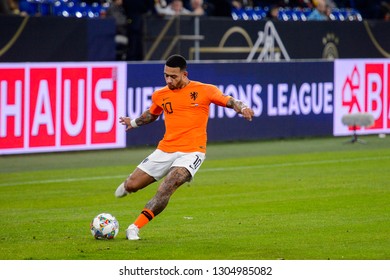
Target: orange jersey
{"x": 186, "y": 114}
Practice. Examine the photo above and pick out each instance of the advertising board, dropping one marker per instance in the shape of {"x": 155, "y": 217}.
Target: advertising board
{"x": 289, "y": 99}
{"x": 47, "y": 107}
{"x": 362, "y": 86}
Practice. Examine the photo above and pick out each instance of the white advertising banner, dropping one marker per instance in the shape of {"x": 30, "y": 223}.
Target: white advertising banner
{"x": 46, "y": 107}
{"x": 362, "y": 86}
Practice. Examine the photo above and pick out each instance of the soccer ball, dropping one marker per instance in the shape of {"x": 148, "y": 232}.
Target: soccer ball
{"x": 104, "y": 226}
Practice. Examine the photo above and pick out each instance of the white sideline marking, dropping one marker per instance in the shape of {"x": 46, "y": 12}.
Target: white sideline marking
{"x": 233, "y": 168}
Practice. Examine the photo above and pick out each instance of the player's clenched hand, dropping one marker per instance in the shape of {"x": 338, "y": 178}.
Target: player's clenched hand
{"x": 126, "y": 121}
{"x": 247, "y": 113}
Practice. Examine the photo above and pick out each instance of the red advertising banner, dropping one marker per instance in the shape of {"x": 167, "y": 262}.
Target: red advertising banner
{"x": 362, "y": 86}
{"x": 47, "y": 107}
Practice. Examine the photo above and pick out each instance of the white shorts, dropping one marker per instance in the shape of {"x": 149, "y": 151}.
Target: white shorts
{"x": 158, "y": 163}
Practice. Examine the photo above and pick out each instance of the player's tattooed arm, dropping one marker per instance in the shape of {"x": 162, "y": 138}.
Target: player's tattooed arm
{"x": 236, "y": 105}
{"x": 241, "y": 108}
{"x": 145, "y": 118}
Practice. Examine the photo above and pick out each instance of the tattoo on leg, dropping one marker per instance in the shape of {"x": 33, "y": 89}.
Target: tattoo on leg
{"x": 176, "y": 177}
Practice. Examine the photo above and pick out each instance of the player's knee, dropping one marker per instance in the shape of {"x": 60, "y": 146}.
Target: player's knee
{"x": 134, "y": 183}
{"x": 138, "y": 180}
{"x": 131, "y": 185}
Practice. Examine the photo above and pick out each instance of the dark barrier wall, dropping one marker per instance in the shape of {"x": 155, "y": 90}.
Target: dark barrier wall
{"x": 289, "y": 99}
{"x": 224, "y": 38}
{"x": 44, "y": 39}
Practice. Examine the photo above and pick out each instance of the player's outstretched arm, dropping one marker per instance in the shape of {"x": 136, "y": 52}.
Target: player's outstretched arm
{"x": 145, "y": 118}
{"x": 241, "y": 108}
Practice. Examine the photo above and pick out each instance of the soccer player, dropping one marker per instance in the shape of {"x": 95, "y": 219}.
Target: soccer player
{"x": 181, "y": 152}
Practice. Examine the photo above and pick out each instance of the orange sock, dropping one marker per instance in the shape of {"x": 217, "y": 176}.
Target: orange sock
{"x": 145, "y": 217}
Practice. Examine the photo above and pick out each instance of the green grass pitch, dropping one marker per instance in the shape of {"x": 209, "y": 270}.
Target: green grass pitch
{"x": 302, "y": 199}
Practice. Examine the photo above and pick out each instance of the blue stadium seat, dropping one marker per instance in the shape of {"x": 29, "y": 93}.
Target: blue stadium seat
{"x": 250, "y": 14}
{"x": 293, "y": 14}
{"x": 36, "y": 7}
{"x": 298, "y": 15}
{"x": 355, "y": 15}
{"x": 260, "y": 13}
{"x": 30, "y": 7}
{"x": 285, "y": 14}
{"x": 238, "y": 14}
{"x": 81, "y": 10}
{"x": 76, "y": 8}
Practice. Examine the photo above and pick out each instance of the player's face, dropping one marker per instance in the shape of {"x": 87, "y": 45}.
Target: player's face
{"x": 174, "y": 77}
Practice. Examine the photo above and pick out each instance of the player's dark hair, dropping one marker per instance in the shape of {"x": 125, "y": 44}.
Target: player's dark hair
{"x": 176, "y": 60}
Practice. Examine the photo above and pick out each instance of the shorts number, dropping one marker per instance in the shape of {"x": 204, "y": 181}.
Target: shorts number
{"x": 196, "y": 163}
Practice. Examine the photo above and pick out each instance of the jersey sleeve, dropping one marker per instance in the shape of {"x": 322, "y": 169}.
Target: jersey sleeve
{"x": 154, "y": 108}
{"x": 217, "y": 97}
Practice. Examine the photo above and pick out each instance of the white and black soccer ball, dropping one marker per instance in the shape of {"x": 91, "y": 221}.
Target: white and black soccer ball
{"x": 104, "y": 226}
